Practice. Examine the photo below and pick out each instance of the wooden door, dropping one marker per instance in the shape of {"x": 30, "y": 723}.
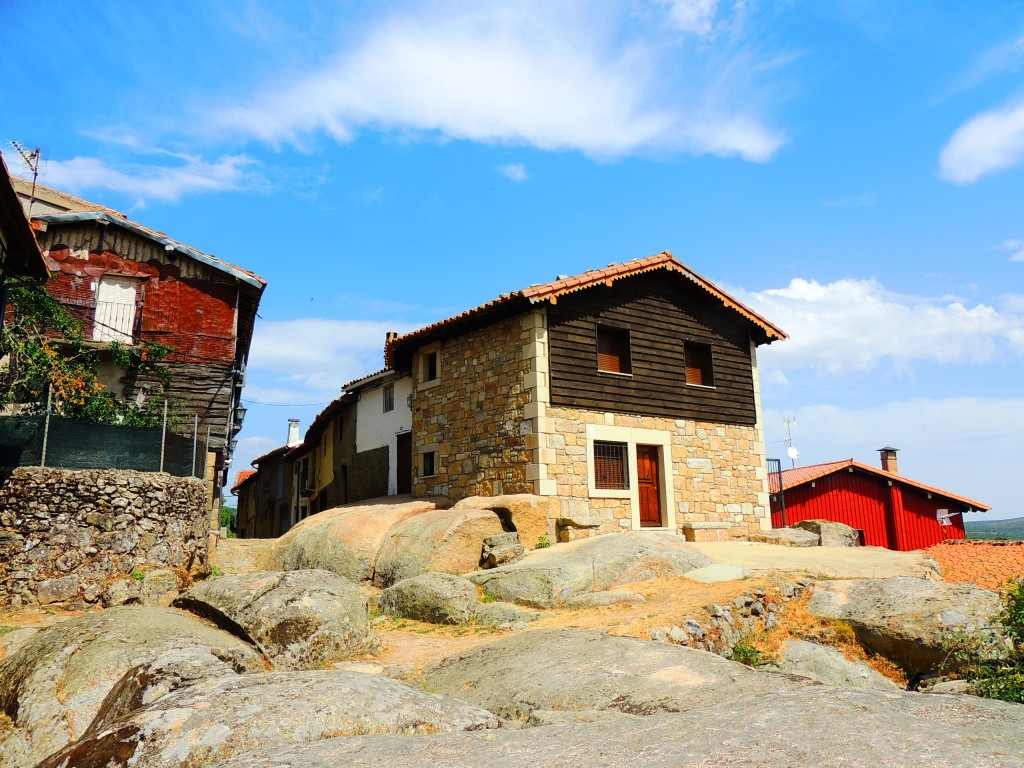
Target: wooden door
{"x": 403, "y": 463}
{"x": 649, "y": 484}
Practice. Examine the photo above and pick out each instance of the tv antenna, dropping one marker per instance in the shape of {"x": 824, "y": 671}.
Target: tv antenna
{"x": 31, "y": 161}
{"x": 791, "y": 450}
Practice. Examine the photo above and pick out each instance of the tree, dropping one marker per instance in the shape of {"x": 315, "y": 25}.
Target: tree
{"x": 46, "y": 352}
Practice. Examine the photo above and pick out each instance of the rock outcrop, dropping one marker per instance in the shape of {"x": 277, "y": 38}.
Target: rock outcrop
{"x": 814, "y": 726}
{"x": 546, "y": 578}
{"x": 567, "y": 669}
{"x": 438, "y": 598}
{"x": 53, "y": 685}
{"x": 344, "y": 539}
{"x": 209, "y": 722}
{"x": 527, "y": 514}
{"x": 828, "y": 665}
{"x": 831, "y": 534}
{"x": 787, "y": 537}
{"x": 298, "y": 619}
{"x": 439, "y": 541}
{"x": 911, "y": 621}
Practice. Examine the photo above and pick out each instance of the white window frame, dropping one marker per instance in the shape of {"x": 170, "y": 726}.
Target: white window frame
{"x": 108, "y": 325}
{"x": 632, "y": 437}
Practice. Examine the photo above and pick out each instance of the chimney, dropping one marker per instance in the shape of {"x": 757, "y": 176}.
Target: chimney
{"x": 390, "y": 336}
{"x": 293, "y": 433}
{"x": 889, "y": 460}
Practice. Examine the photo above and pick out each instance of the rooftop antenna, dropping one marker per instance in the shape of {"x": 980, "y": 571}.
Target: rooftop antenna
{"x": 791, "y": 451}
{"x": 31, "y": 161}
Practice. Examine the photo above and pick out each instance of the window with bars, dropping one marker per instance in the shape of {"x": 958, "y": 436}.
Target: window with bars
{"x": 697, "y": 360}
{"x": 611, "y": 466}
{"x": 613, "y": 350}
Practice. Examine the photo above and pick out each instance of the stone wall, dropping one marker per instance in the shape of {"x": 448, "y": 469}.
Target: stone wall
{"x": 473, "y": 417}
{"x": 718, "y": 476}
{"x": 66, "y": 534}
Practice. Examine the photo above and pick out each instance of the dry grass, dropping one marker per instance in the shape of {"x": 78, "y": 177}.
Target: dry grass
{"x": 799, "y": 623}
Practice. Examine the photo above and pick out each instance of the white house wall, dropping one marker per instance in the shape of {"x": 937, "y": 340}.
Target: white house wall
{"x": 377, "y": 429}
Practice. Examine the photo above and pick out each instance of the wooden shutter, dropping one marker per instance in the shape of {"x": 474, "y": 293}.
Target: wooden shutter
{"x": 697, "y": 359}
{"x": 613, "y": 350}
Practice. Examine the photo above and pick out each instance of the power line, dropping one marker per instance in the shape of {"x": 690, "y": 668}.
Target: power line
{"x": 285, "y": 405}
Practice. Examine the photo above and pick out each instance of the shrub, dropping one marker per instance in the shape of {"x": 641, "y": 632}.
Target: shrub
{"x": 543, "y": 542}
{"x": 139, "y": 575}
{"x": 995, "y": 678}
{"x": 746, "y": 652}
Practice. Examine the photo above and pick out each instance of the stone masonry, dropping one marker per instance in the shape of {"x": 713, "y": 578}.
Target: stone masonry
{"x": 65, "y": 534}
{"x": 473, "y": 417}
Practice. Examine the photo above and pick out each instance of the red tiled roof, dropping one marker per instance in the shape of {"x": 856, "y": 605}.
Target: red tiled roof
{"x": 243, "y": 475}
{"x": 550, "y": 292}
{"x": 280, "y": 450}
{"x": 367, "y": 377}
{"x": 792, "y": 478}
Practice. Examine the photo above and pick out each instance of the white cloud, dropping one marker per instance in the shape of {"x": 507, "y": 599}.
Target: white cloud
{"x": 309, "y": 359}
{"x": 514, "y": 172}
{"x": 696, "y": 17}
{"x": 152, "y": 182}
{"x": 967, "y": 445}
{"x": 1015, "y": 247}
{"x": 556, "y": 77}
{"x": 857, "y": 325}
{"x": 989, "y": 142}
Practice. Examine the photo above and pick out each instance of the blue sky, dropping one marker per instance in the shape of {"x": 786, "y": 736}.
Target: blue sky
{"x": 851, "y": 169}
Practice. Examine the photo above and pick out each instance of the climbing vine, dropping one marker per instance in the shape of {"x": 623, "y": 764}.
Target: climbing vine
{"x": 43, "y": 348}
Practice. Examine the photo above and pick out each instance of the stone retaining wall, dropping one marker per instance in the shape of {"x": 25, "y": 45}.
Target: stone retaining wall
{"x": 66, "y": 534}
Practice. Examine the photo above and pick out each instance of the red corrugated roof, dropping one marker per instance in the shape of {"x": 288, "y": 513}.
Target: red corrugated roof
{"x": 606, "y": 276}
{"x": 242, "y": 476}
{"x": 792, "y": 478}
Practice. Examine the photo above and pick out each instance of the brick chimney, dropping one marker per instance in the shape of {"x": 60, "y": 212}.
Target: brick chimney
{"x": 293, "y": 433}
{"x": 889, "y": 460}
{"x": 390, "y": 336}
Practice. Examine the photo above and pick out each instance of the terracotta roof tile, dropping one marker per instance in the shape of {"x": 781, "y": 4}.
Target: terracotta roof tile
{"x": 607, "y": 275}
{"x": 242, "y": 476}
{"x": 986, "y": 564}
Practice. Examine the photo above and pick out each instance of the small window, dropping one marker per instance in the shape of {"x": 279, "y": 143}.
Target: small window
{"x": 428, "y": 464}
{"x": 389, "y": 397}
{"x": 697, "y": 359}
{"x": 429, "y": 369}
{"x": 613, "y": 350}
{"x": 611, "y": 466}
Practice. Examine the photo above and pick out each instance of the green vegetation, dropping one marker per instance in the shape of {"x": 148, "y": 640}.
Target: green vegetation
{"x": 995, "y": 529}
{"x": 488, "y": 598}
{"x": 228, "y": 515}
{"x": 215, "y": 572}
{"x": 49, "y": 353}
{"x": 543, "y": 542}
{"x": 996, "y": 678}
{"x": 139, "y": 575}
{"x": 746, "y": 652}
{"x": 5, "y": 630}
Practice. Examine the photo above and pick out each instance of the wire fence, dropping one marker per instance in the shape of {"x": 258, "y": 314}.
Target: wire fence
{"x": 54, "y": 441}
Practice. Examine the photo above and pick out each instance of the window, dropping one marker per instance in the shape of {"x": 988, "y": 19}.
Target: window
{"x": 697, "y": 359}
{"x": 611, "y": 466}
{"x": 613, "y": 350}
{"x": 428, "y": 464}
{"x": 429, "y": 366}
{"x": 115, "y": 310}
{"x": 389, "y": 397}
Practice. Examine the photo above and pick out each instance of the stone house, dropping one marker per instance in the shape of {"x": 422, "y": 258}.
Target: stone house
{"x": 630, "y": 393}
{"x": 245, "y": 490}
{"x": 130, "y": 284}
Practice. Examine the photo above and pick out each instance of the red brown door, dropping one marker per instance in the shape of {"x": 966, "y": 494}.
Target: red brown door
{"x": 649, "y": 485}
{"x": 403, "y": 464}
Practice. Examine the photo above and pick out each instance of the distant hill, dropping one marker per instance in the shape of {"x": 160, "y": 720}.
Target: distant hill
{"x": 995, "y": 529}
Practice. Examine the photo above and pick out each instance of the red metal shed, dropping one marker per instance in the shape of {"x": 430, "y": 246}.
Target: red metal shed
{"x": 890, "y": 510}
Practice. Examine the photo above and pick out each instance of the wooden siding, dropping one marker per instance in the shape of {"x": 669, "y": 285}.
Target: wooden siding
{"x": 896, "y": 517}
{"x": 660, "y": 312}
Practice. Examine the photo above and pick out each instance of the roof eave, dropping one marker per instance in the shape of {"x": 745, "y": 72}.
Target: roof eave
{"x": 171, "y": 245}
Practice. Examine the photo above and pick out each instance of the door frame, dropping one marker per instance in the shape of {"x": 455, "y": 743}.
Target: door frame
{"x": 655, "y": 452}
{"x": 634, "y": 436}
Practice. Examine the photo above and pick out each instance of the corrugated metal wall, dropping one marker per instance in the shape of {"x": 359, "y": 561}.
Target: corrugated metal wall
{"x": 896, "y": 518}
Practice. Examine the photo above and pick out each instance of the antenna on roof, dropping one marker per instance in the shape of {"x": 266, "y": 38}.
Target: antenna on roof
{"x": 791, "y": 451}
{"x": 31, "y": 161}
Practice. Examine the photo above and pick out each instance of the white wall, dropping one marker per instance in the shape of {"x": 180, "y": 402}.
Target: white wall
{"x": 375, "y": 428}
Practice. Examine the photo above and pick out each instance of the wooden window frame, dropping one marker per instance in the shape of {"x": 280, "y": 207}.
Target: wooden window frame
{"x": 698, "y": 364}
{"x": 388, "y": 396}
{"x": 614, "y": 350}
{"x": 431, "y": 351}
